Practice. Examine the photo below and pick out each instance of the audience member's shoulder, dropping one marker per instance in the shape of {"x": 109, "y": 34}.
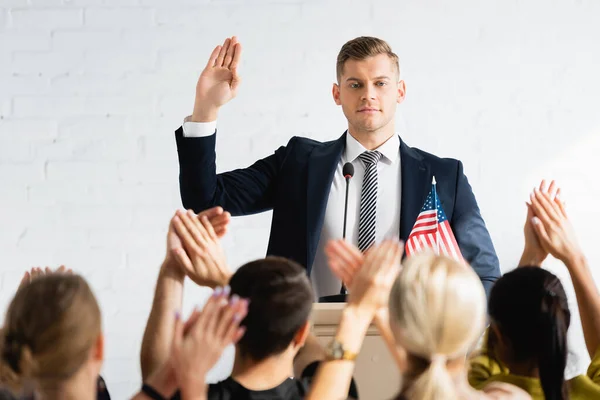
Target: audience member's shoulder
{"x": 505, "y": 391}
{"x": 6, "y": 394}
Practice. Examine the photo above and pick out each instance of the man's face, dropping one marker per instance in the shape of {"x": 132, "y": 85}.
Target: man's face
{"x": 368, "y": 92}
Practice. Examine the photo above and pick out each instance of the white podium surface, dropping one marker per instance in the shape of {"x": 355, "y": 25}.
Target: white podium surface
{"x": 376, "y": 373}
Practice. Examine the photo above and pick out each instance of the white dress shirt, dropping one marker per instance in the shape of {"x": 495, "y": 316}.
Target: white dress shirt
{"x": 388, "y": 201}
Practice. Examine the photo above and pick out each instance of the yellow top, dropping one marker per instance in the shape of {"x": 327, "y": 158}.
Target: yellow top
{"x": 484, "y": 370}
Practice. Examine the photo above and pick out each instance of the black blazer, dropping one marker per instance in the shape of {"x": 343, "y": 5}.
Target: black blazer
{"x": 295, "y": 181}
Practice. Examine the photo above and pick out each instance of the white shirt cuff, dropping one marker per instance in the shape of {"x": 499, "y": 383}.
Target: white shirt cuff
{"x": 198, "y": 129}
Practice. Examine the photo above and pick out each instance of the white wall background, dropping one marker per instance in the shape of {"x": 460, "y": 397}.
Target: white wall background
{"x": 92, "y": 90}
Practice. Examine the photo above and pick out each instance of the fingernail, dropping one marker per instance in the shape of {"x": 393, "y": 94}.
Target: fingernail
{"x": 226, "y": 290}
{"x": 237, "y": 317}
{"x": 234, "y": 299}
{"x": 218, "y": 291}
{"x": 245, "y": 302}
{"x": 535, "y": 220}
{"x": 191, "y": 213}
{"x": 177, "y": 315}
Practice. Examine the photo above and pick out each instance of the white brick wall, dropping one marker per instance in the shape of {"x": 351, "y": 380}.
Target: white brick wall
{"x": 91, "y": 91}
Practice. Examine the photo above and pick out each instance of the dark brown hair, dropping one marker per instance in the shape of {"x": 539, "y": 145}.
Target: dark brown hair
{"x": 281, "y": 300}
{"x": 529, "y": 306}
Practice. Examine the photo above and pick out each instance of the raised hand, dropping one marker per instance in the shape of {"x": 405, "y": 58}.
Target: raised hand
{"x": 534, "y": 253}
{"x": 37, "y": 272}
{"x": 197, "y": 248}
{"x": 344, "y": 260}
{"x": 371, "y": 286}
{"x": 553, "y": 228}
{"x": 194, "y": 353}
{"x": 218, "y": 82}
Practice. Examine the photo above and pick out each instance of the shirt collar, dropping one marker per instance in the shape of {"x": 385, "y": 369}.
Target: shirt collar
{"x": 390, "y": 149}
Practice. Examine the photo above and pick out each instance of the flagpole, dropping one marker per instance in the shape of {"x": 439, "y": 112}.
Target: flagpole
{"x": 437, "y": 230}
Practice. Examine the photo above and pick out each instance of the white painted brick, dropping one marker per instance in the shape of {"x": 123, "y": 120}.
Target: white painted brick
{"x": 152, "y": 217}
{"x": 105, "y": 217}
{"x": 58, "y": 193}
{"x": 120, "y": 105}
{"x": 14, "y": 3}
{"x": 150, "y": 172}
{"x": 160, "y": 37}
{"x": 159, "y": 148}
{"x": 90, "y": 262}
{"x": 29, "y": 19}
{"x": 13, "y": 195}
{"x": 5, "y": 108}
{"x": 119, "y": 17}
{"x": 18, "y": 173}
{"x": 124, "y": 239}
{"x": 3, "y": 18}
{"x": 82, "y": 172}
{"x": 100, "y": 148}
{"x": 115, "y": 61}
{"x": 91, "y": 126}
{"x": 24, "y": 84}
{"x": 47, "y": 64}
{"x": 28, "y": 130}
{"x": 24, "y": 41}
{"x": 56, "y": 238}
{"x": 143, "y": 194}
{"x": 47, "y": 106}
{"x": 15, "y": 151}
{"x": 86, "y": 84}
{"x": 84, "y": 40}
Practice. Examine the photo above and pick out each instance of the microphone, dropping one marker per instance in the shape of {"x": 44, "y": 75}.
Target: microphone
{"x": 348, "y": 172}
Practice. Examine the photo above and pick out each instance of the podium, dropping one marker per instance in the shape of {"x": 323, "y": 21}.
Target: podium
{"x": 376, "y": 374}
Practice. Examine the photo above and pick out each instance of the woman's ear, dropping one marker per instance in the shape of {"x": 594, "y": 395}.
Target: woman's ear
{"x": 98, "y": 348}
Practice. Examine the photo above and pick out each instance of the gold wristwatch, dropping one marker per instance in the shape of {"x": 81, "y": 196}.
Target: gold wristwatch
{"x": 335, "y": 351}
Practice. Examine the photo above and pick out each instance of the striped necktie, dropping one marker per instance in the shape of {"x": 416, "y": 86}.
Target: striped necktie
{"x": 368, "y": 200}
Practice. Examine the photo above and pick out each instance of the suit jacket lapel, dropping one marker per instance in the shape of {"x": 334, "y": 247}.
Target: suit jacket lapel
{"x": 416, "y": 184}
{"x": 322, "y": 164}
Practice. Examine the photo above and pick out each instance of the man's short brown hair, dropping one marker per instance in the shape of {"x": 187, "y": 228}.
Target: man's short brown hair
{"x": 361, "y": 48}
{"x": 281, "y": 300}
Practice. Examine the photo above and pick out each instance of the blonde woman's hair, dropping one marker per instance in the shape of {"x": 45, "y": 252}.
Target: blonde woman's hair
{"x": 50, "y": 327}
{"x": 437, "y": 312}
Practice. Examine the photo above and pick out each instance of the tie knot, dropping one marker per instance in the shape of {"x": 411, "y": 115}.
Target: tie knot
{"x": 370, "y": 157}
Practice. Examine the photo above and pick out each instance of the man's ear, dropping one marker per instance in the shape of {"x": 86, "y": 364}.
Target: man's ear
{"x": 401, "y": 91}
{"x": 302, "y": 334}
{"x": 335, "y": 91}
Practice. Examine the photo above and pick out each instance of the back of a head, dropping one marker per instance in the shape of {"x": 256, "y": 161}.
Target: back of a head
{"x": 362, "y": 48}
{"x": 529, "y": 307}
{"x": 437, "y": 312}
{"x": 51, "y": 324}
{"x": 281, "y": 299}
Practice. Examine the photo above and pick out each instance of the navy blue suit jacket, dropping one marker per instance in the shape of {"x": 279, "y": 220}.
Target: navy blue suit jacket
{"x": 295, "y": 181}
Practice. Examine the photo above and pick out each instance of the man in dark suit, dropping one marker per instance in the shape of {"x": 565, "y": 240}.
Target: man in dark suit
{"x": 303, "y": 183}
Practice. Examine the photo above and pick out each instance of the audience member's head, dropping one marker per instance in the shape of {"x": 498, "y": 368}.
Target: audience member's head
{"x": 529, "y": 321}
{"x": 437, "y": 312}
{"x": 52, "y": 336}
{"x": 280, "y": 301}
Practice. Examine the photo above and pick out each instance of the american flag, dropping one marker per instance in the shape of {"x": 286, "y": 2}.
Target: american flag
{"x": 432, "y": 230}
